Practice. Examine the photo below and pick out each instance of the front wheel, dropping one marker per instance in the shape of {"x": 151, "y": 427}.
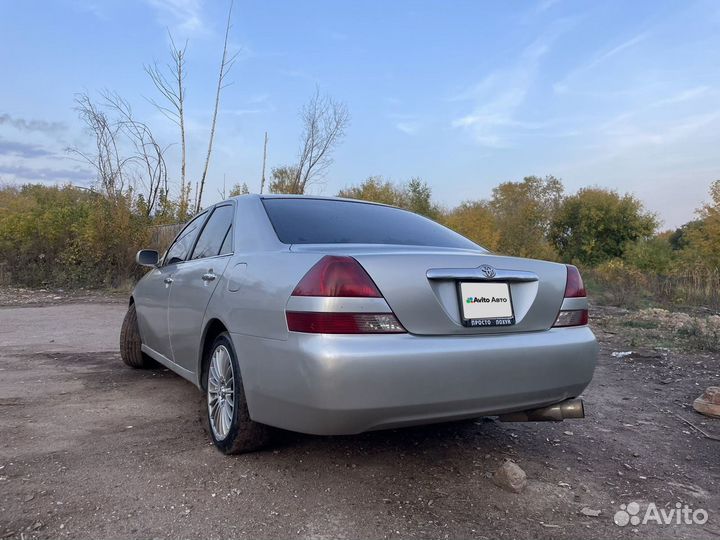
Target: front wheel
{"x": 230, "y": 426}
{"x": 131, "y": 344}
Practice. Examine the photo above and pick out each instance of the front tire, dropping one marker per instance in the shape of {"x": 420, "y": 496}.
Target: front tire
{"x": 229, "y": 423}
{"x": 131, "y": 344}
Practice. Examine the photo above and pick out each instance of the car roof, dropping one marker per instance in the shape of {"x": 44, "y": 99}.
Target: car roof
{"x": 308, "y": 197}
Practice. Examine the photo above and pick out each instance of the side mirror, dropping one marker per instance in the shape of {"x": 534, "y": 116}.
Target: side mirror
{"x": 147, "y": 257}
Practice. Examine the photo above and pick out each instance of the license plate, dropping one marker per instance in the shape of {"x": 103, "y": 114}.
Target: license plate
{"x": 485, "y": 304}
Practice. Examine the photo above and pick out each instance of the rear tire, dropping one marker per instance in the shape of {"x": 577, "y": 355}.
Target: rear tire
{"x": 228, "y": 419}
{"x": 131, "y": 344}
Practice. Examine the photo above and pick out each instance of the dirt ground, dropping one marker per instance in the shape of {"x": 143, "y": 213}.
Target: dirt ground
{"x": 92, "y": 449}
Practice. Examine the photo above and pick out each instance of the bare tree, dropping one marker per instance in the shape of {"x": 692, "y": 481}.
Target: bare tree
{"x": 324, "y": 123}
{"x": 262, "y": 177}
{"x": 125, "y": 151}
{"x": 171, "y": 85}
{"x": 147, "y": 154}
{"x": 226, "y": 65}
{"x": 105, "y": 158}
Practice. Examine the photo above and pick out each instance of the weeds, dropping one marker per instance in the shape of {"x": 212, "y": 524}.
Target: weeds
{"x": 671, "y": 328}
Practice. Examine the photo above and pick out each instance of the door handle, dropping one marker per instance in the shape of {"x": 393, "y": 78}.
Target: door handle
{"x": 208, "y": 277}
{"x": 168, "y": 280}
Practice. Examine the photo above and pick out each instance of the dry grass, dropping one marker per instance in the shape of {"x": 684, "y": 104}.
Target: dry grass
{"x": 618, "y": 284}
{"x": 657, "y": 327}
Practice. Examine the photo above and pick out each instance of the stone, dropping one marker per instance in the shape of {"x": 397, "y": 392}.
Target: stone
{"x": 709, "y": 403}
{"x": 510, "y": 476}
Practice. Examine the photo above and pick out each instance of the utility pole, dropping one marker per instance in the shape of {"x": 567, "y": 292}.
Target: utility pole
{"x": 262, "y": 179}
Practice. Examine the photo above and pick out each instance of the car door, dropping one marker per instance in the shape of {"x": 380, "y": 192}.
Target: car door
{"x": 153, "y": 292}
{"x": 194, "y": 283}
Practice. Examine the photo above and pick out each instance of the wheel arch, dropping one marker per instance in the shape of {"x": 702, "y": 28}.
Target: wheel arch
{"x": 213, "y": 329}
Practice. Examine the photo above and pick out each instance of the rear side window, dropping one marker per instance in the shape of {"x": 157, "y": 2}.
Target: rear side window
{"x": 215, "y": 233}
{"x": 227, "y": 243}
{"x": 180, "y": 249}
{"x": 322, "y": 221}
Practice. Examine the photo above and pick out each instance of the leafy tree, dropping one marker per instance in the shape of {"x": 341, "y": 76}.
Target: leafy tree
{"x": 702, "y": 238}
{"x": 418, "y": 198}
{"x": 415, "y": 196}
{"x": 596, "y": 225}
{"x": 283, "y": 180}
{"x": 375, "y": 189}
{"x": 239, "y": 189}
{"x": 476, "y": 221}
{"x": 523, "y": 213}
{"x": 679, "y": 238}
{"x": 654, "y": 254}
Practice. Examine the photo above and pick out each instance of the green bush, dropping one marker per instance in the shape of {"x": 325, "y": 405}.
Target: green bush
{"x": 596, "y": 225}
{"x": 65, "y": 236}
{"x": 651, "y": 255}
{"x": 616, "y": 282}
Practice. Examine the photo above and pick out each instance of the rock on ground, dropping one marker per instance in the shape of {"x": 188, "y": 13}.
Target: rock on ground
{"x": 709, "y": 403}
{"x": 510, "y": 477}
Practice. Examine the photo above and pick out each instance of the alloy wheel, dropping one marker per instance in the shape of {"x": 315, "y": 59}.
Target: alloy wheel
{"x": 221, "y": 392}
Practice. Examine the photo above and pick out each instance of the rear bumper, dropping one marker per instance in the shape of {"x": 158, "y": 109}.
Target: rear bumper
{"x": 337, "y": 384}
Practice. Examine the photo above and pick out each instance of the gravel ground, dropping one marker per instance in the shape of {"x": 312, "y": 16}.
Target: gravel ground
{"x": 92, "y": 449}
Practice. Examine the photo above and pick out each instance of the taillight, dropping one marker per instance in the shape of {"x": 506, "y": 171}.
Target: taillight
{"x": 575, "y": 289}
{"x": 337, "y": 276}
{"x": 343, "y": 323}
{"x": 340, "y": 277}
{"x": 572, "y": 317}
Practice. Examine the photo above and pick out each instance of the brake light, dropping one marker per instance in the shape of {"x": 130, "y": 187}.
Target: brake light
{"x": 574, "y": 288}
{"x": 340, "y": 277}
{"x": 337, "y": 276}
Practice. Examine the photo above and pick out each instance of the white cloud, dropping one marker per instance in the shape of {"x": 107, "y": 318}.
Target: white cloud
{"x": 619, "y": 48}
{"x": 499, "y": 96}
{"x": 683, "y": 96}
{"x": 564, "y": 86}
{"x": 183, "y": 15}
{"x": 626, "y": 128}
{"x": 255, "y": 104}
{"x": 409, "y": 128}
{"x": 623, "y": 135}
{"x": 546, "y": 4}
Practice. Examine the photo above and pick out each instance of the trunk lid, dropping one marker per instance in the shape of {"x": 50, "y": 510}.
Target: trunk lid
{"x": 420, "y": 285}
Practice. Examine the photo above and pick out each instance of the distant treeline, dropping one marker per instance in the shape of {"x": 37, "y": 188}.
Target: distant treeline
{"x": 73, "y": 237}
{"x": 625, "y": 258}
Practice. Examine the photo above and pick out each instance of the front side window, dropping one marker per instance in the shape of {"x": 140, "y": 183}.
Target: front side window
{"x": 215, "y": 233}
{"x": 180, "y": 249}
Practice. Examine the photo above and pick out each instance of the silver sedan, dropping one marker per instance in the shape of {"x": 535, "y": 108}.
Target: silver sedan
{"x": 331, "y": 316}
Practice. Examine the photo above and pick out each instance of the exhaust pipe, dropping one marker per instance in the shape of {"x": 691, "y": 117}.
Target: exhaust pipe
{"x": 570, "y": 408}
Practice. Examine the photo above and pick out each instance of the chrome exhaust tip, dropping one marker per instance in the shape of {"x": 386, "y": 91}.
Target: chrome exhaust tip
{"x": 570, "y": 408}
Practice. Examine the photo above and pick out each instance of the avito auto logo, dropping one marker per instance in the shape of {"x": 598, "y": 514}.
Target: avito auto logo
{"x": 485, "y": 300}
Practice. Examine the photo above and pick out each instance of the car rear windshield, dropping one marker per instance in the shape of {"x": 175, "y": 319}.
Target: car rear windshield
{"x": 324, "y": 221}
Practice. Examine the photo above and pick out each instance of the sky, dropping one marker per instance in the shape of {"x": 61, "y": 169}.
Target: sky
{"x": 463, "y": 94}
